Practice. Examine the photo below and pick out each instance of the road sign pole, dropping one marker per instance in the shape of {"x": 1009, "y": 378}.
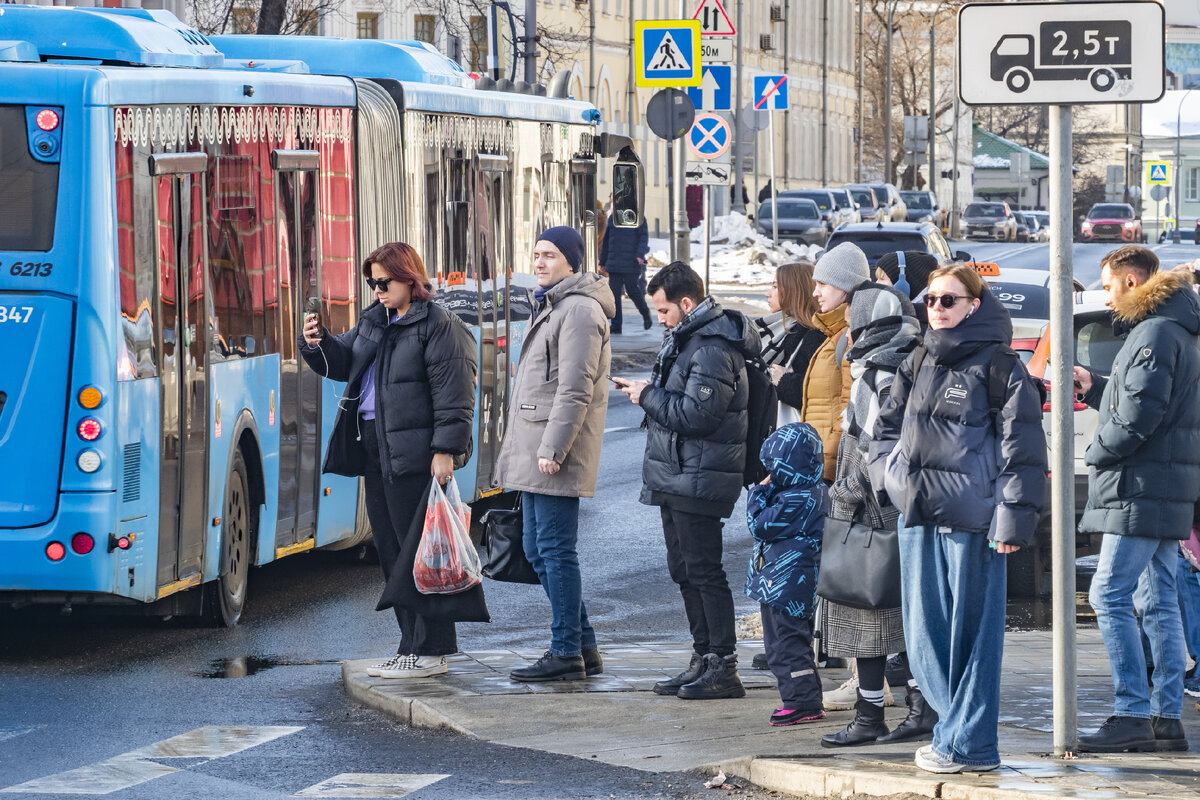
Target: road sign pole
{"x": 1062, "y": 451}
{"x": 739, "y": 206}
{"x": 708, "y": 217}
{"x": 774, "y": 205}
{"x": 671, "y": 198}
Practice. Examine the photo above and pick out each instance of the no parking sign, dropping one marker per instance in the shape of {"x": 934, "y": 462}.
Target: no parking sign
{"x": 709, "y": 137}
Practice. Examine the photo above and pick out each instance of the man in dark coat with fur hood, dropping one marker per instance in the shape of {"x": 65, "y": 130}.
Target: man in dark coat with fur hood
{"x": 1144, "y": 478}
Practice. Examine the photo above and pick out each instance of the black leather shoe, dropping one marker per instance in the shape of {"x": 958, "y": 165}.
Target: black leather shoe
{"x": 759, "y": 661}
{"x": 592, "y": 663}
{"x": 551, "y": 668}
{"x": 719, "y": 680}
{"x": 917, "y": 725}
{"x": 1168, "y": 735}
{"x": 670, "y": 687}
{"x": 865, "y": 728}
{"x": 1120, "y": 735}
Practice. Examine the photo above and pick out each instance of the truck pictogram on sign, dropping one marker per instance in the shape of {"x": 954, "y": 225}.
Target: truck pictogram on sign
{"x": 1095, "y": 51}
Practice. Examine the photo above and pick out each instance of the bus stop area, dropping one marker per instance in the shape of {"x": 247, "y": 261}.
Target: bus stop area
{"x": 615, "y": 718}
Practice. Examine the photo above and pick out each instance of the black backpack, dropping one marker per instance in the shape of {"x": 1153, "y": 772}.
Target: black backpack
{"x": 999, "y": 368}
{"x": 762, "y": 409}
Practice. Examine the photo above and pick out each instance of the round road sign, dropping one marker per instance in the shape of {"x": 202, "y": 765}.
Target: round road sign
{"x": 1158, "y": 192}
{"x": 670, "y": 113}
{"x": 756, "y": 119}
{"x": 710, "y": 136}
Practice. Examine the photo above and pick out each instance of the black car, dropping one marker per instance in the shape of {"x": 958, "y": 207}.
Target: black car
{"x": 825, "y": 203}
{"x": 799, "y": 219}
{"x": 877, "y": 238}
{"x": 924, "y": 207}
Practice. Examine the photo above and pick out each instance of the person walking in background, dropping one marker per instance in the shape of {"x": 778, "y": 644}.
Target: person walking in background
{"x": 883, "y": 332}
{"x": 406, "y": 415}
{"x": 623, "y": 257}
{"x": 1143, "y": 481}
{"x": 790, "y": 339}
{"x": 786, "y": 517}
{"x": 696, "y": 417}
{"x": 959, "y": 450}
{"x": 551, "y": 446}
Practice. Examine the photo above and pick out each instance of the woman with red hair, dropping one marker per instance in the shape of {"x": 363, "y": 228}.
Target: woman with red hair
{"x": 407, "y": 413}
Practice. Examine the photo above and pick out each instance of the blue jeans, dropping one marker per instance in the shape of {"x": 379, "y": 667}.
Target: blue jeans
{"x": 1136, "y": 572}
{"x": 953, "y": 598}
{"x": 1189, "y": 606}
{"x": 551, "y": 529}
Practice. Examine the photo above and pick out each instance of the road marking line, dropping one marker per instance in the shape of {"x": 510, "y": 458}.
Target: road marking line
{"x": 12, "y": 733}
{"x": 367, "y": 784}
{"x": 135, "y": 767}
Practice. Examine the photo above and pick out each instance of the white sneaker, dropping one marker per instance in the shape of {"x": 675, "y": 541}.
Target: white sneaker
{"x": 391, "y": 663}
{"x": 932, "y": 762}
{"x": 416, "y": 667}
{"x": 845, "y": 696}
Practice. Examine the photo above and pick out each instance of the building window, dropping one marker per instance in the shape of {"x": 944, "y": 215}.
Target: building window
{"x": 479, "y": 45}
{"x": 244, "y": 20}
{"x": 368, "y": 26}
{"x": 306, "y": 21}
{"x": 423, "y": 28}
{"x": 1192, "y": 185}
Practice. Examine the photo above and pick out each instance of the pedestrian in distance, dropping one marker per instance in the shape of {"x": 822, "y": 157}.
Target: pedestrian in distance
{"x": 623, "y": 257}
{"x": 959, "y": 450}
{"x": 785, "y": 514}
{"x": 883, "y": 332}
{"x": 1143, "y": 481}
{"x": 697, "y": 422}
{"x": 790, "y": 339}
{"x": 551, "y": 447}
{"x": 406, "y": 415}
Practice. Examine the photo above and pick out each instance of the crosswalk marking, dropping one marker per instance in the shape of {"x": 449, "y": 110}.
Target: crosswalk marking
{"x": 137, "y": 766}
{"x": 367, "y": 784}
{"x": 12, "y": 733}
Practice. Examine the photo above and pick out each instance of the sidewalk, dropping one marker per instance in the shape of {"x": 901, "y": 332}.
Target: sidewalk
{"x": 616, "y": 719}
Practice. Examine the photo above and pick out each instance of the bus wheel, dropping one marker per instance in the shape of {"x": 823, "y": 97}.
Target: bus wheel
{"x": 1103, "y": 79}
{"x": 1017, "y": 80}
{"x": 227, "y": 595}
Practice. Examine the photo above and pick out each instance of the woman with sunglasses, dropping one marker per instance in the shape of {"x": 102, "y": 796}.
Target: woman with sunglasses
{"x": 406, "y": 415}
{"x": 959, "y": 449}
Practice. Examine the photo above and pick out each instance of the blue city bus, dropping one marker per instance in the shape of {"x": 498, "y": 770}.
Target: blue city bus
{"x": 168, "y": 206}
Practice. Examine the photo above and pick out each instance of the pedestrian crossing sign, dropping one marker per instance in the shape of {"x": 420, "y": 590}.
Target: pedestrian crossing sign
{"x": 1158, "y": 172}
{"x": 666, "y": 53}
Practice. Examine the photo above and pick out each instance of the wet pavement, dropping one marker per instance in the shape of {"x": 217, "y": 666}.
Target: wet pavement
{"x": 616, "y": 719}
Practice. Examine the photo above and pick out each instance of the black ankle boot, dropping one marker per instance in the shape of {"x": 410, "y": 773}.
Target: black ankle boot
{"x": 592, "y": 663}
{"x": 1168, "y": 735}
{"x": 865, "y": 728}
{"x": 670, "y": 687}
{"x": 719, "y": 680}
{"x": 917, "y": 725}
{"x": 1120, "y": 735}
{"x": 551, "y": 668}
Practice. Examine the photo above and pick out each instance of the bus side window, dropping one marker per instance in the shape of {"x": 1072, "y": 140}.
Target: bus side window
{"x": 235, "y": 250}
{"x": 135, "y": 254}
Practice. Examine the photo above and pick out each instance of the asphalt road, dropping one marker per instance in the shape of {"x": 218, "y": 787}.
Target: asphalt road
{"x": 1086, "y": 256}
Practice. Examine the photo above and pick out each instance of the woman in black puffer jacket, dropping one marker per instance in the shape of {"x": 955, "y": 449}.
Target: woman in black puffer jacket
{"x": 407, "y": 414}
{"x": 970, "y": 482}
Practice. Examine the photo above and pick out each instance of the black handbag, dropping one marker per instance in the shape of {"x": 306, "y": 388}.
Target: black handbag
{"x": 860, "y": 565}
{"x": 502, "y": 543}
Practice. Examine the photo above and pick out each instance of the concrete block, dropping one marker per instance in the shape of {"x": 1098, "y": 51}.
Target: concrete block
{"x": 788, "y": 776}
{"x": 820, "y": 780}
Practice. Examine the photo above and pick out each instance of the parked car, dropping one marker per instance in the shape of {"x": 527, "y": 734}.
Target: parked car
{"x": 888, "y": 198}
{"x": 845, "y": 205}
{"x": 924, "y": 207}
{"x": 877, "y": 238}
{"x": 868, "y": 207}
{"x": 799, "y": 219}
{"x": 825, "y": 203}
{"x": 989, "y": 221}
{"x": 1114, "y": 222}
{"x": 1037, "y": 232}
{"x": 1043, "y": 221}
{"x": 1022, "y": 226}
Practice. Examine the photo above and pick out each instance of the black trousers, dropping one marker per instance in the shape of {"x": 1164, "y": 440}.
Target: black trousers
{"x": 694, "y": 561}
{"x": 390, "y": 508}
{"x": 789, "y": 643}
{"x": 634, "y": 284}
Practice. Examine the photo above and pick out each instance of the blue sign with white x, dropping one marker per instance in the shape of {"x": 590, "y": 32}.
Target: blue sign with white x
{"x": 715, "y": 90}
{"x": 770, "y": 92}
{"x": 709, "y": 136}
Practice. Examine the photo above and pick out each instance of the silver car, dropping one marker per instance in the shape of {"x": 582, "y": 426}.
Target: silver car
{"x": 799, "y": 219}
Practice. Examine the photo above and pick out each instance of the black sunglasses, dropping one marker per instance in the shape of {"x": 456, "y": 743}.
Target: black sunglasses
{"x": 380, "y": 285}
{"x": 947, "y": 300}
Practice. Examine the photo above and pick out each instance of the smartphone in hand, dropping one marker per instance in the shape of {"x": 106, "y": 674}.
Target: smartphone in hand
{"x": 618, "y": 381}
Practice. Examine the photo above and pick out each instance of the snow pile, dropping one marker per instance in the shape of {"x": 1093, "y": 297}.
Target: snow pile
{"x": 739, "y": 253}
{"x": 984, "y": 161}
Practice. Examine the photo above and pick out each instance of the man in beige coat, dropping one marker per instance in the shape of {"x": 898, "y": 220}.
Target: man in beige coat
{"x": 551, "y": 447}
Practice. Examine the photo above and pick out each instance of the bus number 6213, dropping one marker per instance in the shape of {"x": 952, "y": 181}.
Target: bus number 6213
{"x": 31, "y": 269}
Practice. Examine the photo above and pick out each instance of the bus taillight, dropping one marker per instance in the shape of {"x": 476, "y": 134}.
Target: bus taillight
{"x": 82, "y": 543}
{"x": 89, "y": 429}
{"x": 46, "y": 119}
{"x": 55, "y": 551}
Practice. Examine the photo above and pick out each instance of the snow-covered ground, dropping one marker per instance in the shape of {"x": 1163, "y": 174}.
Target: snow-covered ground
{"x": 739, "y": 254}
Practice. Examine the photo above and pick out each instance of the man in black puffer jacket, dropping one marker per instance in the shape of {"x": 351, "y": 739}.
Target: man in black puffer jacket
{"x": 1144, "y": 478}
{"x": 695, "y": 406}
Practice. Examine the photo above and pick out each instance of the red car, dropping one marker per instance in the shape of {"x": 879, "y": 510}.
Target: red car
{"x": 1114, "y": 222}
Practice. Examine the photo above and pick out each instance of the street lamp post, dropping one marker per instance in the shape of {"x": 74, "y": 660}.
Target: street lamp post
{"x": 887, "y": 97}
{"x": 1178, "y": 165}
{"x": 859, "y": 161}
{"x": 933, "y": 100}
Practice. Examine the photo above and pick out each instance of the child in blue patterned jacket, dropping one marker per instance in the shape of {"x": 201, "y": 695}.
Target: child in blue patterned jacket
{"x": 786, "y": 517}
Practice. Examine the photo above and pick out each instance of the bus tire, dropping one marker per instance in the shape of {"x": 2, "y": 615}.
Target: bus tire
{"x": 1102, "y": 79}
{"x": 1017, "y": 80}
{"x": 227, "y": 595}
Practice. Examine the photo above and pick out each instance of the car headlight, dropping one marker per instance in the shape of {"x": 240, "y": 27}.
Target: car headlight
{"x": 1129, "y": 224}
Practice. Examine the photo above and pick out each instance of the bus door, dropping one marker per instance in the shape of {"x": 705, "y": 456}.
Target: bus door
{"x": 178, "y": 206}
{"x": 583, "y": 206}
{"x": 299, "y": 387}
{"x": 493, "y": 219}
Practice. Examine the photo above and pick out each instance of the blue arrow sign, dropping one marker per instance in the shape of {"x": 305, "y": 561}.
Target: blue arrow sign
{"x": 770, "y": 92}
{"x": 715, "y": 89}
{"x": 709, "y": 136}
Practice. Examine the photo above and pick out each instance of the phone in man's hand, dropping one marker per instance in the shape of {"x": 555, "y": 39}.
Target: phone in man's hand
{"x": 313, "y": 306}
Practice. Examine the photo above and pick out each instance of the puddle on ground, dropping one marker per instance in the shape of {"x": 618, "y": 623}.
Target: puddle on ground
{"x": 245, "y": 666}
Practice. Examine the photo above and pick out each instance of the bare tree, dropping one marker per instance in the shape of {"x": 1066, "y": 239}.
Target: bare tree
{"x": 260, "y": 16}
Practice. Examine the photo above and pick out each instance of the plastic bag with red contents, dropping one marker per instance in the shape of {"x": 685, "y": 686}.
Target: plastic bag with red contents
{"x": 446, "y": 561}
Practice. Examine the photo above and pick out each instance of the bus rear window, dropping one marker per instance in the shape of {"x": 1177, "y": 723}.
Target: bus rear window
{"x": 28, "y": 188}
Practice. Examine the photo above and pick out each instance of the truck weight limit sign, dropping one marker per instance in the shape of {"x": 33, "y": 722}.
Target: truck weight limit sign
{"x": 1034, "y": 53}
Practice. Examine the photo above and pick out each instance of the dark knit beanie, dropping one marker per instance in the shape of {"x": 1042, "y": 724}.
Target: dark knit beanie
{"x": 569, "y": 243}
{"x": 917, "y": 267}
